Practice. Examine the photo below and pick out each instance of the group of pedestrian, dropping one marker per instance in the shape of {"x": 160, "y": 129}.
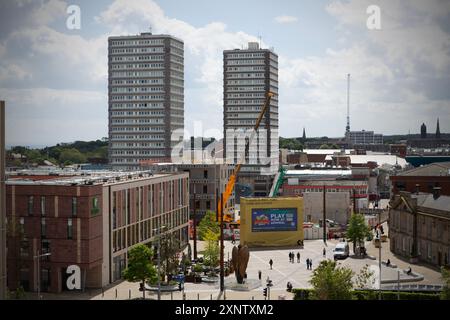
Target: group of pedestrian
{"x": 292, "y": 257}
{"x": 309, "y": 264}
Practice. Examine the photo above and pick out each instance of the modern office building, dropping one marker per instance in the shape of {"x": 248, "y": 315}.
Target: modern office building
{"x": 90, "y": 220}
{"x": 364, "y": 137}
{"x": 207, "y": 182}
{"x": 146, "y": 98}
{"x": 2, "y": 204}
{"x": 248, "y": 75}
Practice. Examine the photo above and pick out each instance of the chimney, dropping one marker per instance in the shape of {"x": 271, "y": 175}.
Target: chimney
{"x": 436, "y": 192}
{"x": 417, "y": 188}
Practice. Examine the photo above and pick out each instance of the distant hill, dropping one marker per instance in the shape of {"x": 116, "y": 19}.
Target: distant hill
{"x": 61, "y": 154}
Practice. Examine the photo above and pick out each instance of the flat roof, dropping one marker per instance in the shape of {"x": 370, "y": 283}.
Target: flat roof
{"x": 328, "y": 172}
{"x": 80, "y": 177}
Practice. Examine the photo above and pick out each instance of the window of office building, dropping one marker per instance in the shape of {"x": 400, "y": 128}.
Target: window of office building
{"x": 69, "y": 229}
{"x": 45, "y": 279}
{"x": 30, "y": 205}
{"x": 24, "y": 248}
{"x": 43, "y": 228}
{"x": 74, "y": 206}
{"x": 95, "y": 208}
{"x": 43, "y": 206}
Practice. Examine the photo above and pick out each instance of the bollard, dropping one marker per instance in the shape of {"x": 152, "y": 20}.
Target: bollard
{"x": 184, "y": 296}
{"x": 253, "y": 297}
{"x": 129, "y": 294}
{"x": 103, "y": 293}
{"x": 116, "y": 293}
{"x": 211, "y": 296}
{"x": 171, "y": 295}
{"x": 198, "y": 296}
{"x": 224, "y": 295}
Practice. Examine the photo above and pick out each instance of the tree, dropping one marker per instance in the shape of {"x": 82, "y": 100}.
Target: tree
{"x": 208, "y": 223}
{"x": 211, "y": 253}
{"x": 365, "y": 278}
{"x": 357, "y": 230}
{"x": 71, "y": 156}
{"x": 291, "y": 144}
{"x": 140, "y": 267}
{"x": 170, "y": 246}
{"x": 445, "y": 274}
{"x": 331, "y": 282}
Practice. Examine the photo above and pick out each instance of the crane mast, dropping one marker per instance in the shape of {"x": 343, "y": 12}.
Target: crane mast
{"x": 232, "y": 180}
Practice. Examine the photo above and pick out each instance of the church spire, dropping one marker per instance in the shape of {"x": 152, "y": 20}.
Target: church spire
{"x": 304, "y": 135}
{"x": 438, "y": 131}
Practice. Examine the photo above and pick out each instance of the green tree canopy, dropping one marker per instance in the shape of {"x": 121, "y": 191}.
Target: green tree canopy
{"x": 290, "y": 143}
{"x": 357, "y": 230}
{"x": 170, "y": 246}
{"x": 208, "y": 223}
{"x": 332, "y": 282}
{"x": 71, "y": 155}
{"x": 445, "y": 274}
{"x": 140, "y": 266}
{"x": 212, "y": 251}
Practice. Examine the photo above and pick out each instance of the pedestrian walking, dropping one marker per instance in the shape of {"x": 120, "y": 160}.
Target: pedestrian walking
{"x": 259, "y": 274}
{"x": 298, "y": 257}
{"x": 310, "y": 264}
{"x": 293, "y": 257}
{"x": 307, "y": 263}
{"x": 324, "y": 252}
{"x": 271, "y": 263}
{"x": 290, "y": 257}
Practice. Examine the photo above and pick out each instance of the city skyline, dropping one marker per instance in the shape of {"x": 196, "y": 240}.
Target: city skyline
{"x": 54, "y": 80}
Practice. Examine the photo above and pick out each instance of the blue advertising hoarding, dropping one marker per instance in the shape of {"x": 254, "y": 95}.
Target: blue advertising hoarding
{"x": 270, "y": 219}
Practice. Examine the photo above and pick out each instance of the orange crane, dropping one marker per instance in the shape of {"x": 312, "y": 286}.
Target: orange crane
{"x": 232, "y": 180}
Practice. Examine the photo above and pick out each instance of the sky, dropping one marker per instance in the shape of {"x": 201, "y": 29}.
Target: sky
{"x": 54, "y": 79}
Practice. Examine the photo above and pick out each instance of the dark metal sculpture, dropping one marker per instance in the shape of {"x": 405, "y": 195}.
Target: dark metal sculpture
{"x": 240, "y": 256}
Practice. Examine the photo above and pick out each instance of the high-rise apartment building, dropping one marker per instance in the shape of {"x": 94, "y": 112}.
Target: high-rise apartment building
{"x": 2, "y": 204}
{"x": 146, "y": 98}
{"x": 248, "y": 75}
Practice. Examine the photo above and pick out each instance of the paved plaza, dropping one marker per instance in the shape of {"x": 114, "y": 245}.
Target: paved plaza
{"x": 282, "y": 272}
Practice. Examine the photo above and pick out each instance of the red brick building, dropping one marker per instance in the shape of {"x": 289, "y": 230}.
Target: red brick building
{"x": 90, "y": 221}
{"x": 423, "y": 179}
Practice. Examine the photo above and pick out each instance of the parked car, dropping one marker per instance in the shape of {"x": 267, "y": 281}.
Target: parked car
{"x": 341, "y": 251}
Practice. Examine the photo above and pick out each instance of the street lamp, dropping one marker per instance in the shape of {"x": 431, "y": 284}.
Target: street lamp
{"x": 38, "y": 258}
{"x": 159, "y": 259}
{"x": 379, "y": 252}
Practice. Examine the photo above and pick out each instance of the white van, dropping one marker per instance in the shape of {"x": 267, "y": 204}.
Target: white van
{"x": 341, "y": 251}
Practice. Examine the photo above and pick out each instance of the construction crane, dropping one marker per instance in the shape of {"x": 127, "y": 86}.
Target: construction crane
{"x": 232, "y": 180}
{"x": 277, "y": 182}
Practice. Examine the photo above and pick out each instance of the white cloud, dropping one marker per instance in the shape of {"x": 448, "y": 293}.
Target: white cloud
{"x": 286, "y": 19}
{"x": 203, "y": 49}
{"x": 391, "y": 70}
{"x": 47, "y": 116}
{"x": 13, "y": 71}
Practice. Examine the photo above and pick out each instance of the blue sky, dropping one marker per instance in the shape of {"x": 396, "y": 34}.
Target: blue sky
{"x": 54, "y": 80}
